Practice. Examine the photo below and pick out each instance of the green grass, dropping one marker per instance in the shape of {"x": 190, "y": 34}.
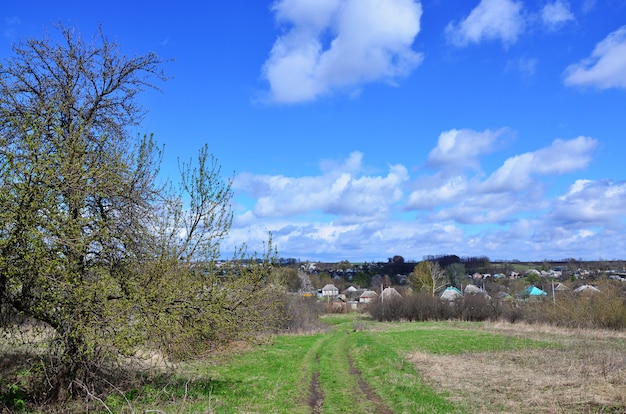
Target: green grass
{"x": 276, "y": 378}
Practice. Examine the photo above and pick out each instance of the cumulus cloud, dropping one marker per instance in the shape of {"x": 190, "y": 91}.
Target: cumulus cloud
{"x": 342, "y": 190}
{"x": 457, "y": 148}
{"x": 470, "y": 199}
{"x": 605, "y": 68}
{"x": 555, "y": 15}
{"x": 457, "y": 151}
{"x": 479, "y": 210}
{"x": 490, "y": 20}
{"x": 336, "y": 45}
{"x": 591, "y": 202}
{"x": 348, "y": 212}
{"x": 429, "y": 196}
{"x": 562, "y": 156}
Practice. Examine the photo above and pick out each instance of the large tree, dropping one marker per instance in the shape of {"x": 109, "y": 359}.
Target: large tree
{"x": 92, "y": 248}
{"x": 428, "y": 277}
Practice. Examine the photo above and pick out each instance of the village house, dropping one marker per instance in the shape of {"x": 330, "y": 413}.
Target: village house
{"x": 367, "y": 296}
{"x": 329, "y": 291}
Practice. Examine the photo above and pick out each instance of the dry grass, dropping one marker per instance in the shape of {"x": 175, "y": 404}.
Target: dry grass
{"x": 585, "y": 373}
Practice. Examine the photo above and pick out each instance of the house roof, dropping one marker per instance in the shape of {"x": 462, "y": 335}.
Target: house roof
{"x": 534, "y": 291}
{"x": 330, "y": 286}
{"x": 587, "y": 289}
{"x": 390, "y": 293}
{"x": 451, "y": 293}
{"x": 472, "y": 289}
{"x": 561, "y": 286}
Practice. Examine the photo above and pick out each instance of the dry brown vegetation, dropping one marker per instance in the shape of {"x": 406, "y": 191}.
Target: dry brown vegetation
{"x": 584, "y": 373}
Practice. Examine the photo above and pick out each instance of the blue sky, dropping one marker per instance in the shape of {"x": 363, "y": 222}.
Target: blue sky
{"x": 363, "y": 129}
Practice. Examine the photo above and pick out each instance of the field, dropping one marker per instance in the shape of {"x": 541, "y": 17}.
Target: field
{"x": 360, "y": 366}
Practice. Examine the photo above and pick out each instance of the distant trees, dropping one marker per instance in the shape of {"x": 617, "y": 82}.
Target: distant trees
{"x": 92, "y": 247}
{"x": 395, "y": 265}
{"x": 443, "y": 260}
{"x": 476, "y": 263}
{"x": 397, "y": 259}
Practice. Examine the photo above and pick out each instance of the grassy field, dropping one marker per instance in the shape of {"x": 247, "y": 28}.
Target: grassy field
{"x": 360, "y": 366}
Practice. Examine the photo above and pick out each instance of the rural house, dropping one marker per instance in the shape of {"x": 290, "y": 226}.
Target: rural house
{"x": 330, "y": 290}
{"x": 367, "y": 296}
{"x": 451, "y": 294}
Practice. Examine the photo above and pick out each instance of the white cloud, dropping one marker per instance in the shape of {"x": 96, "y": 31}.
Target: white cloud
{"x": 479, "y": 209}
{"x": 490, "y": 20}
{"x": 459, "y": 148}
{"x": 342, "y": 190}
{"x": 555, "y": 15}
{"x": 561, "y": 157}
{"x": 605, "y": 68}
{"x": 591, "y": 202}
{"x": 513, "y": 188}
{"x": 430, "y": 196}
{"x": 370, "y": 40}
{"x": 346, "y": 213}
{"x": 373, "y": 240}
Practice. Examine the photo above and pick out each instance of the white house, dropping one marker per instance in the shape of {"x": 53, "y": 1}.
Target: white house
{"x": 330, "y": 290}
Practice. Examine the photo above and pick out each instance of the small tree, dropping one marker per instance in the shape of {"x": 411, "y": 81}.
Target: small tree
{"x": 428, "y": 277}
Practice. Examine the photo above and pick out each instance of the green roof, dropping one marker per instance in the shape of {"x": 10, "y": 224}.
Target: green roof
{"x": 534, "y": 291}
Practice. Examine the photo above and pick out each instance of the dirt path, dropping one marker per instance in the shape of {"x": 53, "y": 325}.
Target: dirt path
{"x": 365, "y": 398}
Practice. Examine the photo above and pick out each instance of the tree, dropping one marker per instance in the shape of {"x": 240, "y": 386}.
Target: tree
{"x": 428, "y": 277}
{"x": 289, "y": 277}
{"x": 92, "y": 248}
{"x": 321, "y": 279}
{"x": 396, "y": 259}
{"x": 455, "y": 273}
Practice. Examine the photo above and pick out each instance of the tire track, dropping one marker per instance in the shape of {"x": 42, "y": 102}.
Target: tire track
{"x": 337, "y": 343}
{"x": 316, "y": 396}
{"x": 370, "y": 394}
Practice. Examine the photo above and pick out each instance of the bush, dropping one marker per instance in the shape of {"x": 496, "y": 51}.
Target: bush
{"x": 301, "y": 314}
{"x": 606, "y": 309}
{"x": 415, "y": 307}
{"x": 475, "y": 307}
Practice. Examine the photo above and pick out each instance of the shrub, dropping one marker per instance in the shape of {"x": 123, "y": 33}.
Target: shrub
{"x": 475, "y": 308}
{"x": 301, "y": 314}
{"x": 606, "y": 309}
